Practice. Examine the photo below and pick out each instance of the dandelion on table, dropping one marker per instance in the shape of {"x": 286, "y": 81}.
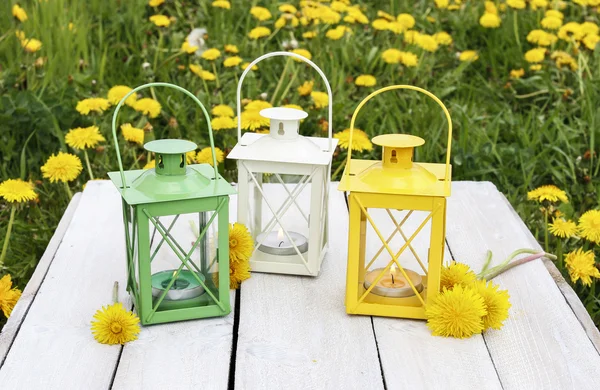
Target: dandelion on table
{"x": 582, "y": 266}
{"x": 115, "y": 325}
{"x": 496, "y": 304}
{"x": 241, "y": 244}
{"x": 589, "y": 226}
{"x": 222, "y": 110}
{"x": 118, "y": 92}
{"x": 456, "y": 274}
{"x": 548, "y": 192}
{"x": 360, "y": 140}
{"x": 160, "y": 20}
{"x": 98, "y": 105}
{"x": 132, "y": 134}
{"x": 456, "y": 313}
{"x": 204, "y": 156}
{"x": 19, "y": 13}
{"x": 9, "y": 295}
{"x": 62, "y": 167}
{"x": 84, "y": 137}
{"x": 148, "y": 106}
{"x": 563, "y": 229}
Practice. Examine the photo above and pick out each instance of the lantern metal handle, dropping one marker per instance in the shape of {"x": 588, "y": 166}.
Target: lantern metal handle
{"x": 288, "y": 54}
{"x": 116, "y": 114}
{"x": 392, "y": 87}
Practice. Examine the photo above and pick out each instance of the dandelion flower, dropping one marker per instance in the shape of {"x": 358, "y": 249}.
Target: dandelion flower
{"x": 148, "y": 106}
{"x": 443, "y": 38}
{"x": 115, "y": 325}
{"x": 232, "y": 61}
{"x": 247, "y": 64}
{"x": 187, "y": 48}
{"x": 589, "y": 226}
{"x": 222, "y": 110}
{"x": 306, "y": 88}
{"x": 590, "y": 41}
{"x": 541, "y": 37}
{"x": 259, "y": 32}
{"x": 548, "y": 192}
{"x": 204, "y": 156}
{"x": 132, "y": 134}
{"x": 302, "y": 52}
{"x": 63, "y": 167}
{"x": 84, "y": 137}
{"x": 562, "y": 58}
{"x": 19, "y": 13}
{"x": 426, "y": 42}
{"x": 8, "y": 295}
{"x": 257, "y": 105}
{"x": 294, "y": 106}
{"x": 312, "y": 34}
{"x": 490, "y": 7}
{"x": 442, "y": 4}
{"x": 406, "y": 20}
{"x": 241, "y": 244}
{"x": 535, "y": 68}
{"x": 118, "y": 92}
{"x": 535, "y": 4}
{"x": 496, "y": 304}
{"x": 321, "y": 99}
{"x": 456, "y": 313}
{"x": 391, "y": 56}
{"x": 468, "y": 56}
{"x": 456, "y": 274}
{"x": 411, "y": 36}
{"x": 287, "y": 8}
{"x": 221, "y": 4}
{"x": 155, "y": 3}
{"x": 380, "y": 24}
{"x": 196, "y": 69}
{"x": 222, "y": 123}
{"x": 490, "y": 20}
{"x": 516, "y": 4}
{"x": 365, "y": 80}
{"x": 17, "y": 190}
{"x": 588, "y": 28}
{"x": 554, "y": 13}
{"x": 535, "y": 55}
{"x": 571, "y": 31}
{"x": 551, "y": 23}
{"x": 360, "y": 140}
{"x": 329, "y": 16}
{"x": 99, "y": 105}
{"x": 238, "y": 272}
{"x": 409, "y": 59}
{"x": 582, "y": 265}
{"x": 563, "y": 229}
{"x": 160, "y": 20}
{"x": 31, "y": 45}
{"x": 517, "y": 73}
{"x": 231, "y": 49}
{"x": 335, "y": 33}
{"x": 357, "y": 15}
{"x": 252, "y": 120}
{"x": 260, "y": 13}
{"x": 150, "y": 164}
{"x": 211, "y": 54}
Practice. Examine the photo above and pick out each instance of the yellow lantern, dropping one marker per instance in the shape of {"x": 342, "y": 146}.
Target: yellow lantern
{"x": 379, "y": 280}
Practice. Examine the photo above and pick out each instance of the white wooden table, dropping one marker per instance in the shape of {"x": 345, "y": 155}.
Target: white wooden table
{"x": 292, "y": 332}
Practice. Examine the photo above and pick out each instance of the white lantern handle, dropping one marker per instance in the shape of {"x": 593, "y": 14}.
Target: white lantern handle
{"x": 289, "y": 54}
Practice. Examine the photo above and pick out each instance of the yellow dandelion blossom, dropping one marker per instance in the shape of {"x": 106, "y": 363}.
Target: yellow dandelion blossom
{"x": 554, "y": 13}
{"x": 496, "y": 304}
{"x": 383, "y": 14}
{"x": 535, "y": 4}
{"x": 160, "y": 20}
{"x": 456, "y": 274}
{"x": 336, "y": 33}
{"x": 287, "y": 8}
{"x": 541, "y": 37}
{"x": 221, "y": 4}
{"x": 257, "y": 105}
{"x": 204, "y": 156}
{"x": 222, "y": 123}
{"x": 208, "y": 76}
{"x": 426, "y": 42}
{"x": 241, "y": 244}
{"x": 84, "y": 137}
{"x": 252, "y": 120}
{"x": 391, "y": 56}
{"x": 582, "y": 265}
{"x": 211, "y": 54}
{"x": 259, "y": 32}
{"x": 260, "y": 13}
{"x": 365, "y": 80}
{"x": 551, "y": 23}
{"x": 115, "y": 325}
{"x": 516, "y": 4}
{"x": 231, "y": 49}
{"x": 31, "y": 45}
{"x": 118, "y": 92}
{"x": 590, "y": 41}
{"x": 312, "y": 34}
{"x": 148, "y": 106}
{"x": 247, "y": 64}
{"x": 357, "y": 15}
{"x": 340, "y": 6}
{"x": 19, "y": 13}
{"x": 320, "y": 99}
{"x": 411, "y": 36}
{"x": 409, "y": 59}
{"x": 230, "y": 62}
{"x": 238, "y": 272}
{"x": 187, "y": 48}
{"x": 443, "y": 38}
{"x": 490, "y": 20}
{"x": 222, "y": 110}
{"x": 563, "y": 229}
{"x": 442, "y": 4}
{"x": 490, "y": 7}
{"x": 132, "y": 134}
{"x": 548, "y": 192}
{"x": 562, "y": 58}
{"x": 406, "y": 20}
{"x": 150, "y": 164}
{"x": 295, "y": 106}
{"x": 589, "y": 226}
{"x": 99, "y": 105}
{"x": 306, "y": 88}
{"x": 571, "y": 31}
{"x": 456, "y": 313}
{"x": 535, "y": 55}
{"x": 8, "y": 295}
{"x": 63, "y": 167}
{"x": 535, "y": 68}
{"x": 20, "y": 35}
{"x": 155, "y": 3}
{"x": 302, "y": 52}
{"x": 329, "y": 16}
{"x": 380, "y": 24}
{"x": 517, "y": 73}
{"x": 468, "y": 56}
{"x": 17, "y": 191}
{"x": 196, "y": 69}
{"x": 360, "y": 140}
{"x": 588, "y": 28}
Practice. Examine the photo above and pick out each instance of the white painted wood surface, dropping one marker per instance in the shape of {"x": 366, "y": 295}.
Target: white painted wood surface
{"x": 293, "y": 331}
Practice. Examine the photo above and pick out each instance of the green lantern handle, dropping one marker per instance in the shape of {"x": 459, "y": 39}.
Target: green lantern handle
{"x": 421, "y": 90}
{"x": 116, "y": 114}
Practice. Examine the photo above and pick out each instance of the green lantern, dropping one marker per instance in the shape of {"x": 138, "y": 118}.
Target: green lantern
{"x": 170, "y": 280}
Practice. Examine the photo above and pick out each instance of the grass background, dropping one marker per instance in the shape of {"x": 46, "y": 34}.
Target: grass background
{"x": 518, "y": 134}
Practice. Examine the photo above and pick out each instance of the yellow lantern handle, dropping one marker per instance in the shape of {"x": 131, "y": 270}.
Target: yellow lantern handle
{"x": 392, "y": 87}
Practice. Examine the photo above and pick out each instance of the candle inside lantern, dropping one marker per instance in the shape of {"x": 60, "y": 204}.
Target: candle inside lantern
{"x": 185, "y": 285}
{"x": 279, "y": 244}
{"x": 393, "y": 284}
{"x": 178, "y": 284}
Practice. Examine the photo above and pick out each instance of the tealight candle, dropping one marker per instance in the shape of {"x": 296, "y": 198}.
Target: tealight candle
{"x": 185, "y": 285}
{"x": 393, "y": 284}
{"x": 279, "y": 244}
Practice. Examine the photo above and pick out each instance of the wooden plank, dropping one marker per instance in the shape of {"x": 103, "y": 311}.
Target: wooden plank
{"x": 11, "y": 328}
{"x": 410, "y": 356}
{"x": 542, "y": 344}
{"x": 54, "y": 348}
{"x": 294, "y": 331}
{"x": 184, "y": 355}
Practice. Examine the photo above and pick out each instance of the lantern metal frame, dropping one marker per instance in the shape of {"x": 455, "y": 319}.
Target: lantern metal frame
{"x": 142, "y": 210}
{"x": 314, "y": 169}
{"x": 410, "y": 197}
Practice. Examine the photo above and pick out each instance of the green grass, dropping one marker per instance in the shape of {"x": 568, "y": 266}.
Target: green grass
{"x": 518, "y": 134}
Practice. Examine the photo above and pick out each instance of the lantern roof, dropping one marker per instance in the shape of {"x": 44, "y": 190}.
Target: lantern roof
{"x": 283, "y": 113}
{"x": 170, "y": 146}
{"x": 398, "y": 140}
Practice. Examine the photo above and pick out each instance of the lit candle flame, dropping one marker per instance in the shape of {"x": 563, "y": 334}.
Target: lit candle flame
{"x": 280, "y": 234}
{"x": 394, "y": 269}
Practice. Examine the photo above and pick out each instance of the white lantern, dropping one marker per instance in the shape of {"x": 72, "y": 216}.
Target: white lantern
{"x": 290, "y": 231}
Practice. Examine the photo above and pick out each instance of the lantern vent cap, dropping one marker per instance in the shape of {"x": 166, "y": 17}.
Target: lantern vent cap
{"x": 398, "y": 140}
{"x": 283, "y": 113}
{"x": 170, "y": 146}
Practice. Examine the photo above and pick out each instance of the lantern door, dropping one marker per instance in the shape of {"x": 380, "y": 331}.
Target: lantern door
{"x": 285, "y": 208}
{"x": 395, "y": 253}
{"x": 178, "y": 262}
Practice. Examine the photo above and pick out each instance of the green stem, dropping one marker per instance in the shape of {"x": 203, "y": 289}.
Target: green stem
{"x": 116, "y": 292}
{"x": 560, "y": 255}
{"x": 136, "y": 158}
{"x": 484, "y": 273}
{"x": 160, "y": 39}
{"x": 516, "y": 30}
{"x": 487, "y": 261}
{"x": 11, "y": 220}
{"x": 287, "y": 88}
{"x": 280, "y": 82}
{"x": 515, "y": 263}
{"x": 214, "y": 67}
{"x": 87, "y": 163}
{"x": 338, "y": 170}
{"x": 68, "y": 190}
{"x": 546, "y": 230}
{"x": 206, "y": 89}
